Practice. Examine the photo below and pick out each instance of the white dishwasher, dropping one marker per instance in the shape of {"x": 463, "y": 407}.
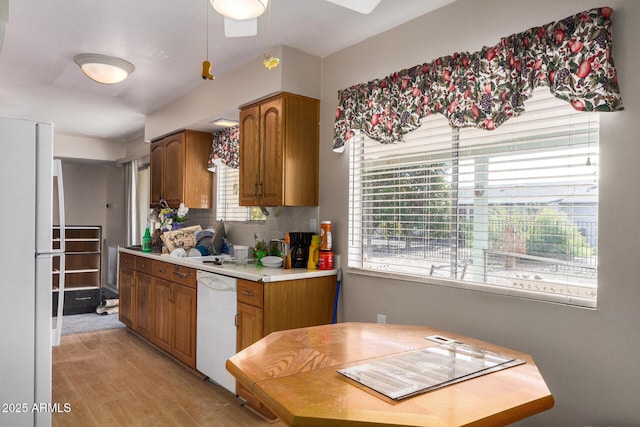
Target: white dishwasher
{"x": 216, "y": 330}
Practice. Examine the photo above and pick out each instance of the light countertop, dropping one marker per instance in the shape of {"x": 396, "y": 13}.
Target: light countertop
{"x": 247, "y": 272}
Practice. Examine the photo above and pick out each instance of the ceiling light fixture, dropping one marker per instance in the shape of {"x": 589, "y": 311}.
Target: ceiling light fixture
{"x": 240, "y": 9}
{"x": 227, "y": 123}
{"x": 104, "y": 69}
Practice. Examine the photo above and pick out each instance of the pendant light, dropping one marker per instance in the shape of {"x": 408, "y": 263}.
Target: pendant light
{"x": 206, "y": 65}
{"x": 269, "y": 61}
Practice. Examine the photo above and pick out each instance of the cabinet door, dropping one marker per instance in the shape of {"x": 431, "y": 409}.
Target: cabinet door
{"x": 126, "y": 289}
{"x": 291, "y": 304}
{"x": 143, "y": 304}
{"x": 173, "y": 169}
{"x": 250, "y": 321}
{"x": 156, "y": 165}
{"x": 272, "y": 152}
{"x": 249, "y": 156}
{"x": 184, "y": 326}
{"x": 162, "y": 314}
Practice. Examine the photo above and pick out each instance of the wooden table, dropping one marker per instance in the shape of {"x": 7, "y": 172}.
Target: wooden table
{"x": 294, "y": 374}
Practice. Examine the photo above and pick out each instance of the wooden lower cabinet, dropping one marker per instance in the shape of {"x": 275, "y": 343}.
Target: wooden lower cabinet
{"x": 126, "y": 284}
{"x": 174, "y": 320}
{"x": 250, "y": 329}
{"x": 135, "y": 287}
{"x": 158, "y": 302}
{"x": 184, "y": 324}
{"x": 143, "y": 304}
{"x": 276, "y": 306}
{"x": 174, "y": 316}
{"x": 162, "y": 314}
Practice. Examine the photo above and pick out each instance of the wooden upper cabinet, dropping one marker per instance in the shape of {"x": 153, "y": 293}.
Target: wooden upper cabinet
{"x": 272, "y": 155}
{"x": 174, "y": 169}
{"x": 279, "y": 139}
{"x": 249, "y": 156}
{"x": 156, "y": 156}
{"x": 179, "y": 170}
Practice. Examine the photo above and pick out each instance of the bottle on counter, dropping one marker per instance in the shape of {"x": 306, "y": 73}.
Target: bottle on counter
{"x": 146, "y": 241}
{"x": 325, "y": 261}
{"x": 314, "y": 252}
{"x": 286, "y": 255}
{"x": 325, "y": 234}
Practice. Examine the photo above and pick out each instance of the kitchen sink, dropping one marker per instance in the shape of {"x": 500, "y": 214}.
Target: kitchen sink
{"x": 210, "y": 258}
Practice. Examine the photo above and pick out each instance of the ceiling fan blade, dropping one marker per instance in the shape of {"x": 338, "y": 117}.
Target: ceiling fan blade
{"x": 361, "y": 6}
{"x": 244, "y": 28}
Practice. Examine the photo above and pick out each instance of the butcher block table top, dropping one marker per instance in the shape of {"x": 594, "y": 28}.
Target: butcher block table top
{"x": 294, "y": 374}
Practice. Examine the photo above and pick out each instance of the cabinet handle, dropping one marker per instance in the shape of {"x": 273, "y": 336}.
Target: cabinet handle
{"x": 82, "y": 298}
{"x": 142, "y": 265}
{"x": 170, "y": 295}
{"x": 162, "y": 270}
{"x": 260, "y": 193}
{"x": 247, "y": 293}
{"x": 235, "y": 320}
{"x": 255, "y": 190}
{"x": 176, "y": 271}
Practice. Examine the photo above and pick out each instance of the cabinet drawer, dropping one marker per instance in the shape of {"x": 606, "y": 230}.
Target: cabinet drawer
{"x": 175, "y": 273}
{"x": 144, "y": 265}
{"x": 128, "y": 260}
{"x": 250, "y": 293}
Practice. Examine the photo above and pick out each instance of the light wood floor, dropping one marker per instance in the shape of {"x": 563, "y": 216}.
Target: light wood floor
{"x": 113, "y": 378}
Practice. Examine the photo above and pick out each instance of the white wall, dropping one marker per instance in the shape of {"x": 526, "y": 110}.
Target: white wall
{"x": 85, "y": 193}
{"x": 589, "y": 358}
{"x": 136, "y": 148}
{"x": 298, "y": 72}
{"x": 85, "y": 148}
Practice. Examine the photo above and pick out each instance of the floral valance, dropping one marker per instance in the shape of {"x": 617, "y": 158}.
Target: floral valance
{"x": 224, "y": 148}
{"x": 483, "y": 89}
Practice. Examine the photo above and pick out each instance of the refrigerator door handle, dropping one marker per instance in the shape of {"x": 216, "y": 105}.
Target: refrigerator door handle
{"x": 56, "y": 332}
{"x": 57, "y": 173}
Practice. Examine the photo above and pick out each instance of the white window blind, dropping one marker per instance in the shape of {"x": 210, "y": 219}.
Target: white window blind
{"x": 512, "y": 211}
{"x": 227, "y": 197}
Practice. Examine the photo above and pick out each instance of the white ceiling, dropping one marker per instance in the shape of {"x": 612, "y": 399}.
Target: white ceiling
{"x": 165, "y": 40}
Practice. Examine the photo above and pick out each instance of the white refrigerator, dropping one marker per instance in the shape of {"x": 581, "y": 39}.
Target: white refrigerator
{"x": 28, "y": 177}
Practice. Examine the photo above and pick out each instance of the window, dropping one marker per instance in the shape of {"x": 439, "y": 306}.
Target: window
{"x": 142, "y": 193}
{"x": 227, "y": 203}
{"x": 511, "y": 211}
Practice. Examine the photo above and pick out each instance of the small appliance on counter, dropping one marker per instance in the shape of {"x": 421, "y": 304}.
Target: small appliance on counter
{"x": 300, "y": 242}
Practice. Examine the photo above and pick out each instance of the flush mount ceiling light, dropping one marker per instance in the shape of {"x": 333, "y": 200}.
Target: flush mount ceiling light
{"x": 240, "y": 9}
{"x": 227, "y": 123}
{"x": 104, "y": 69}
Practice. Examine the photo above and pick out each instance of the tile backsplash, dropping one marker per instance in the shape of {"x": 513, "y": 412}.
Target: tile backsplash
{"x": 280, "y": 221}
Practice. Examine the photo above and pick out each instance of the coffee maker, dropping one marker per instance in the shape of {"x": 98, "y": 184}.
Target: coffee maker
{"x": 300, "y": 242}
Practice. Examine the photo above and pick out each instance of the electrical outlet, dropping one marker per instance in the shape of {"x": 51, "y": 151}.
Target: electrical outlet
{"x": 382, "y": 319}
